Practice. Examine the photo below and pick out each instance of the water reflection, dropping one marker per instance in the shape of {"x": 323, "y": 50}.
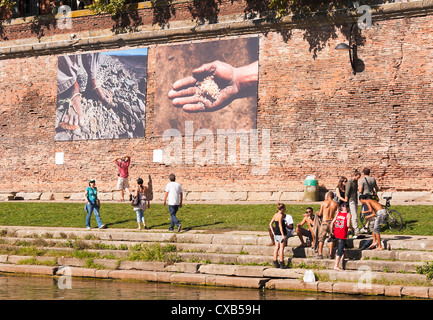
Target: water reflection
{"x": 14, "y": 287}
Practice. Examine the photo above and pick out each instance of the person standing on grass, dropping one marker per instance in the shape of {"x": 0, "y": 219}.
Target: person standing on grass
{"x": 173, "y": 191}
{"x": 341, "y": 224}
{"x": 378, "y": 213}
{"x": 143, "y": 203}
{"x": 92, "y": 204}
{"x": 123, "y": 174}
{"x": 279, "y": 230}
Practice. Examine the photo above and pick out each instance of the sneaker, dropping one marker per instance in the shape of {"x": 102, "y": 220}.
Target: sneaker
{"x": 88, "y": 228}
{"x": 179, "y": 228}
{"x": 276, "y": 264}
{"x": 102, "y": 227}
{"x": 319, "y": 256}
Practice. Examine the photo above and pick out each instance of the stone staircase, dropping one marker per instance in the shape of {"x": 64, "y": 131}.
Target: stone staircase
{"x": 231, "y": 258}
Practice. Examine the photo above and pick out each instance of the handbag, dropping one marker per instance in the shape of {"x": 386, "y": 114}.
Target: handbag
{"x": 97, "y": 201}
{"x": 136, "y": 200}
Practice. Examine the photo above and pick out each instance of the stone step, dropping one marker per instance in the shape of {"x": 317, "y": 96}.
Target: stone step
{"x": 263, "y": 250}
{"x": 362, "y": 274}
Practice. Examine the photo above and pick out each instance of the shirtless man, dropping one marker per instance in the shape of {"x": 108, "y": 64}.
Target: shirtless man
{"x": 308, "y": 218}
{"x": 327, "y": 212}
{"x": 375, "y": 209}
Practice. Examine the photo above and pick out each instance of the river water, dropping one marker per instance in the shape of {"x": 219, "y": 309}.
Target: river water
{"x": 17, "y": 287}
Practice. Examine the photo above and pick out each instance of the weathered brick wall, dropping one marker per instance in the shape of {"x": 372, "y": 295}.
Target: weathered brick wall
{"x": 322, "y": 119}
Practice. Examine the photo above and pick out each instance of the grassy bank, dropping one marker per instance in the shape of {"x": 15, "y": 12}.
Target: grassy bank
{"x": 417, "y": 218}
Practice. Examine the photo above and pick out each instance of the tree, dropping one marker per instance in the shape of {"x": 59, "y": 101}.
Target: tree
{"x": 112, "y": 7}
{"x": 7, "y": 4}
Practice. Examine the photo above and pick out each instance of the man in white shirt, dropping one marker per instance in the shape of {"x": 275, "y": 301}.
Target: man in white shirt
{"x": 173, "y": 191}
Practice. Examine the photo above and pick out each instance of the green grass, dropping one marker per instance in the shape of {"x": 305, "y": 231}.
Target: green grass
{"x": 417, "y": 219}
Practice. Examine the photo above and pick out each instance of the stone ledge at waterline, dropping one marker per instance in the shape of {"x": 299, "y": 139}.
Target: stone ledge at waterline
{"x": 227, "y": 259}
{"x": 211, "y": 196}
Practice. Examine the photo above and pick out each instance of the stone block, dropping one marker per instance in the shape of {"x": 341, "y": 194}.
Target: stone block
{"x": 235, "y": 239}
{"x": 141, "y": 265}
{"x": 325, "y": 287}
{"x": 107, "y": 263}
{"x": 77, "y": 197}
{"x": 218, "y": 269}
{"x": 103, "y": 274}
{"x": 185, "y": 267}
{"x": 163, "y": 276}
{"x": 7, "y": 196}
{"x": 188, "y": 278}
{"x": 259, "y": 196}
{"x": 105, "y": 196}
{"x": 418, "y": 292}
{"x": 292, "y": 196}
{"x": 29, "y": 196}
{"x": 47, "y": 196}
{"x": 28, "y": 269}
{"x": 61, "y": 196}
{"x": 71, "y": 262}
{"x": 393, "y": 291}
{"x": 293, "y": 284}
{"x": 193, "y": 196}
{"x": 250, "y": 271}
{"x": 372, "y": 289}
{"x": 133, "y": 275}
{"x": 345, "y": 287}
{"x": 240, "y": 282}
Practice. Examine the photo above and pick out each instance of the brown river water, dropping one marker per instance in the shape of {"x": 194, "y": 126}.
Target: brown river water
{"x": 18, "y": 287}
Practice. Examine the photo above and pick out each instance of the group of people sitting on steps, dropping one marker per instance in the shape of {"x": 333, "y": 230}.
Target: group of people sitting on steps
{"x": 332, "y": 221}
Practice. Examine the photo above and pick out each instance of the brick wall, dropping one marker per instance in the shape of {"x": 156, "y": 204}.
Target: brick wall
{"x": 323, "y": 119}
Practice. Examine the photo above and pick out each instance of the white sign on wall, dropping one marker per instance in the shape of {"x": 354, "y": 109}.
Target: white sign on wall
{"x": 60, "y": 157}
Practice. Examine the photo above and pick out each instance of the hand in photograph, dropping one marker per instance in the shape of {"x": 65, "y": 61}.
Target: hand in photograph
{"x": 213, "y": 86}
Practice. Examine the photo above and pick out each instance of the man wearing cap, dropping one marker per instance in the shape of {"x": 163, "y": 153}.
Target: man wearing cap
{"x": 91, "y": 196}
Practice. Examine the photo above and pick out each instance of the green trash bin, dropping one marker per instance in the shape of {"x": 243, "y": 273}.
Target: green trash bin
{"x": 311, "y": 189}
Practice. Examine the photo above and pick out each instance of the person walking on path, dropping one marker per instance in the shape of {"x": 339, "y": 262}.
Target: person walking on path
{"x": 173, "y": 191}
{"x": 92, "y": 204}
{"x": 378, "y": 213}
{"x": 279, "y": 229}
{"x": 351, "y": 196}
{"x": 327, "y": 212}
{"x": 123, "y": 174}
{"x": 143, "y": 203}
{"x": 341, "y": 225}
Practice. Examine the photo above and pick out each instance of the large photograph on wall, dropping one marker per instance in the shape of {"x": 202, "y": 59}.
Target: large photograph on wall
{"x": 101, "y": 95}
{"x": 212, "y": 84}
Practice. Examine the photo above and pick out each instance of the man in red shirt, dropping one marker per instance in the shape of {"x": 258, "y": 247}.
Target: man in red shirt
{"x": 123, "y": 174}
{"x": 341, "y": 224}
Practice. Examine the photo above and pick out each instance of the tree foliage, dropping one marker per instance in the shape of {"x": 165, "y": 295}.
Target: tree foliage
{"x": 7, "y": 4}
{"x": 112, "y": 7}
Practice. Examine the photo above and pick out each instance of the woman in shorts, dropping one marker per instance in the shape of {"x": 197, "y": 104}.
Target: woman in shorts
{"x": 279, "y": 229}
{"x": 143, "y": 203}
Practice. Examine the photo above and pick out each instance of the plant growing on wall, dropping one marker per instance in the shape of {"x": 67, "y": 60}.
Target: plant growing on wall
{"x": 7, "y": 4}
{"x": 112, "y": 7}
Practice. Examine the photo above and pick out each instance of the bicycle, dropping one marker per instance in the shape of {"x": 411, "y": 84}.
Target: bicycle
{"x": 393, "y": 218}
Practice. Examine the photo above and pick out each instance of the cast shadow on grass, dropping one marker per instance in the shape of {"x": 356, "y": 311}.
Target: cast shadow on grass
{"x": 119, "y": 222}
{"x": 167, "y": 225}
